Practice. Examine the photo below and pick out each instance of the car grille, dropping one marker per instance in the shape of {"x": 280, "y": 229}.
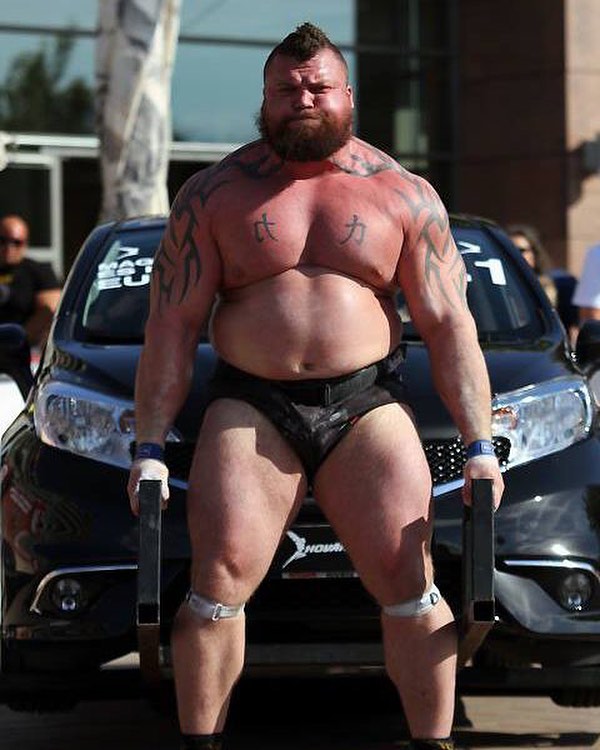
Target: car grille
{"x": 446, "y": 458}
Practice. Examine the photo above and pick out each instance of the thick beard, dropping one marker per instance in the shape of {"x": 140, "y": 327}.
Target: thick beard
{"x": 306, "y": 143}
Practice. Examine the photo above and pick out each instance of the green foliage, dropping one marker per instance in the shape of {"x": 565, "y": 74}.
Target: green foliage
{"x": 35, "y": 97}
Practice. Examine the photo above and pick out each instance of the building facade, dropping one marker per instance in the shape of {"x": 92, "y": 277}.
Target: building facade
{"x": 496, "y": 103}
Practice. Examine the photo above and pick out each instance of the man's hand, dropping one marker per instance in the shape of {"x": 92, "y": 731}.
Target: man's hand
{"x": 483, "y": 467}
{"x": 147, "y": 468}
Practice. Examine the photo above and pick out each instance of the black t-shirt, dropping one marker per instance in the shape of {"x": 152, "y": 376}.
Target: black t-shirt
{"x": 24, "y": 281}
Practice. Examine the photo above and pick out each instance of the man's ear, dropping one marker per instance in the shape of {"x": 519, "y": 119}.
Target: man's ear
{"x": 350, "y": 95}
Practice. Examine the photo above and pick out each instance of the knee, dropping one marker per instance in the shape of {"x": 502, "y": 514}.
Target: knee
{"x": 404, "y": 575}
{"x": 415, "y": 607}
{"x": 230, "y": 575}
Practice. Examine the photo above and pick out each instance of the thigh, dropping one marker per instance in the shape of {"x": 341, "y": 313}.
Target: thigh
{"x": 245, "y": 486}
{"x": 375, "y": 489}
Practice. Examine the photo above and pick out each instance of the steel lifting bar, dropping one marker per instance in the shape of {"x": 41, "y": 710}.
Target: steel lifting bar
{"x": 478, "y": 611}
{"x": 148, "y": 581}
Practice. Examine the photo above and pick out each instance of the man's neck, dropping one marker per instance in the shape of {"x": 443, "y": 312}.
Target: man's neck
{"x": 304, "y": 170}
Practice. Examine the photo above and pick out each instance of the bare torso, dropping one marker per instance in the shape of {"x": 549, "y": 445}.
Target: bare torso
{"x": 308, "y": 267}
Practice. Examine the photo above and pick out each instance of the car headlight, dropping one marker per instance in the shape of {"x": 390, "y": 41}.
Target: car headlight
{"x": 543, "y": 419}
{"x": 86, "y": 423}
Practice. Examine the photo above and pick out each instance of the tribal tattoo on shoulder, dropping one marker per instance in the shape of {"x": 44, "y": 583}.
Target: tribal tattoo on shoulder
{"x": 178, "y": 261}
{"x": 367, "y": 164}
{"x": 444, "y": 268}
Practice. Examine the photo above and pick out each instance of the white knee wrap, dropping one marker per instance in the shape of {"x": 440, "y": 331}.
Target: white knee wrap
{"x": 209, "y": 610}
{"x": 415, "y": 607}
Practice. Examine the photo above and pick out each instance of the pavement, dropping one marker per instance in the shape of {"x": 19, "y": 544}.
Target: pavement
{"x": 302, "y": 720}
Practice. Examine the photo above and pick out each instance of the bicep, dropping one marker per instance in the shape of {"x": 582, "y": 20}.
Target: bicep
{"x": 431, "y": 271}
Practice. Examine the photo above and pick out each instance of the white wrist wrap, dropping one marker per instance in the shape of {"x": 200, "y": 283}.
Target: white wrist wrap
{"x": 415, "y": 607}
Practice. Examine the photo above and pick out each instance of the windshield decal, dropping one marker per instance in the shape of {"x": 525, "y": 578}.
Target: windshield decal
{"x": 468, "y": 247}
{"x": 495, "y": 268}
{"x": 127, "y": 270}
{"x": 493, "y": 265}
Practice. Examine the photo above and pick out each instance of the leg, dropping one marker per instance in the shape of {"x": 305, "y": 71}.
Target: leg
{"x": 245, "y": 485}
{"x": 375, "y": 488}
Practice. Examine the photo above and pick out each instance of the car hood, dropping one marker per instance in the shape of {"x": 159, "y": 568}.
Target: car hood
{"x": 111, "y": 369}
{"x": 509, "y": 368}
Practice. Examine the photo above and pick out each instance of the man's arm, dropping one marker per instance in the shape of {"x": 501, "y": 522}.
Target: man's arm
{"x": 432, "y": 276}
{"x": 185, "y": 278}
{"x": 37, "y": 325}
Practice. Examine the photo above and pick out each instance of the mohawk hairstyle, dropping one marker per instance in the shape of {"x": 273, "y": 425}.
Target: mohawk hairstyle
{"x": 304, "y": 43}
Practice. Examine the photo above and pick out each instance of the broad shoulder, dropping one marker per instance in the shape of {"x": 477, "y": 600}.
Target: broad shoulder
{"x": 254, "y": 161}
{"x": 408, "y": 195}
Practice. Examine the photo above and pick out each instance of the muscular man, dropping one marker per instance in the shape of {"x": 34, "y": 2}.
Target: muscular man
{"x": 29, "y": 290}
{"x": 297, "y": 243}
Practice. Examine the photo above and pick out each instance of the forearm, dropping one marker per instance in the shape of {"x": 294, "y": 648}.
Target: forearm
{"x": 162, "y": 383}
{"x": 37, "y": 326}
{"x": 461, "y": 378}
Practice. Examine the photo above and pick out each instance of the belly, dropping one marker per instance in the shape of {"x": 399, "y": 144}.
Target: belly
{"x": 304, "y": 323}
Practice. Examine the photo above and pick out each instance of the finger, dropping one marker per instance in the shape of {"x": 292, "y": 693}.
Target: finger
{"x": 134, "y": 502}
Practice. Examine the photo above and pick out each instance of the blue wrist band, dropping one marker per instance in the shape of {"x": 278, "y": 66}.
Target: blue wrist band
{"x": 150, "y": 450}
{"x": 480, "y": 448}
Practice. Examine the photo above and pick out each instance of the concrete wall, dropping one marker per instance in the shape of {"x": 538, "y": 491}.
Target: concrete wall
{"x": 529, "y": 97}
{"x": 582, "y": 117}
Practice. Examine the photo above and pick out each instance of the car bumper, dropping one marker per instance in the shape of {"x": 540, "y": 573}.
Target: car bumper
{"x": 68, "y": 518}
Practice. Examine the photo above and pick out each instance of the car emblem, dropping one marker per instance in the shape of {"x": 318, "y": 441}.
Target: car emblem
{"x": 303, "y": 549}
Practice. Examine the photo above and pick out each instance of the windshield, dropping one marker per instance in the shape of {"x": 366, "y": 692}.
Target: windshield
{"x": 501, "y": 299}
{"x": 116, "y": 304}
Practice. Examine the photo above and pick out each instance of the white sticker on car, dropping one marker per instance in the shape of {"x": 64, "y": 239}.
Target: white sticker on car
{"x": 127, "y": 270}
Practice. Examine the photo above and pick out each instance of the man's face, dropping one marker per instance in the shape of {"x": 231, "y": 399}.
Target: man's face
{"x": 13, "y": 241}
{"x": 306, "y": 113}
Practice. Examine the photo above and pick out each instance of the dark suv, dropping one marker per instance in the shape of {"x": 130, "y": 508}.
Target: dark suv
{"x": 70, "y": 543}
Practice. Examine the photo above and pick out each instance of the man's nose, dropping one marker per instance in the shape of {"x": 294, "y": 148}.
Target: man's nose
{"x": 305, "y": 99}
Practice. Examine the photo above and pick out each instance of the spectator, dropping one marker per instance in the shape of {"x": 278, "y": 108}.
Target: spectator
{"x": 29, "y": 290}
{"x": 558, "y": 284}
{"x": 587, "y": 292}
{"x": 527, "y": 240}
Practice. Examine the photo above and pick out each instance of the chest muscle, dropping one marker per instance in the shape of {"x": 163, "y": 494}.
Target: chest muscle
{"x": 343, "y": 230}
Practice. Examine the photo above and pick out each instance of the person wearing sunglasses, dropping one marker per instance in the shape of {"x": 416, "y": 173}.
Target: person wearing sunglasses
{"x": 29, "y": 290}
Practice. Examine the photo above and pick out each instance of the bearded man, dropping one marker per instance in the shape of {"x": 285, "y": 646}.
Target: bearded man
{"x": 298, "y": 243}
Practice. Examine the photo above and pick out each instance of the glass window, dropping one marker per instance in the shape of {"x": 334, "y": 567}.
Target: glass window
{"x": 57, "y": 13}
{"x": 116, "y": 304}
{"x": 267, "y": 20}
{"x": 24, "y": 190}
{"x": 42, "y": 92}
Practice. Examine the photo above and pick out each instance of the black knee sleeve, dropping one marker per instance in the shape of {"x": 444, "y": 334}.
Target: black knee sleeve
{"x": 202, "y": 741}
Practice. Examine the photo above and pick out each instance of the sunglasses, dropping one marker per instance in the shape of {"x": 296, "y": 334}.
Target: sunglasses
{"x": 16, "y": 241}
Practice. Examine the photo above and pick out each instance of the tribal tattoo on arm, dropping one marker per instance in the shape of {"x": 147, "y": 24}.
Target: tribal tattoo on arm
{"x": 178, "y": 262}
{"x": 443, "y": 267}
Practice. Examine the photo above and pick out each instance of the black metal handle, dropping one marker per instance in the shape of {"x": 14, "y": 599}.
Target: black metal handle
{"x": 148, "y": 581}
{"x": 477, "y": 569}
